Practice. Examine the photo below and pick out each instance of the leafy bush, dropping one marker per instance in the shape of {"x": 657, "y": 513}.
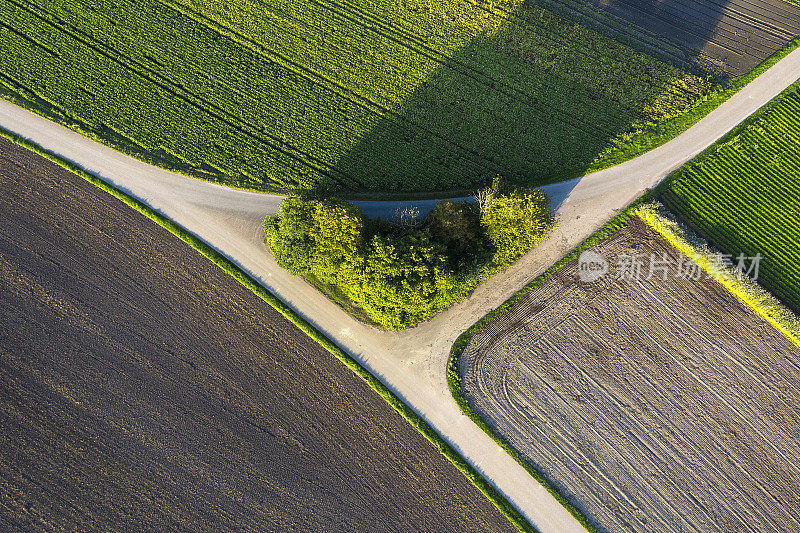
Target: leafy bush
{"x": 308, "y": 227}
{"x": 401, "y": 276}
{"x": 515, "y": 223}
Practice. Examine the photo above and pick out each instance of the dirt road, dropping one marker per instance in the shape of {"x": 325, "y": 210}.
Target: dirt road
{"x": 656, "y": 405}
{"x": 142, "y": 388}
{"x": 413, "y": 362}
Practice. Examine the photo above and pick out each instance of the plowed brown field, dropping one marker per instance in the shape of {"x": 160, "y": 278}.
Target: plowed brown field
{"x": 652, "y": 405}
{"x": 142, "y": 388}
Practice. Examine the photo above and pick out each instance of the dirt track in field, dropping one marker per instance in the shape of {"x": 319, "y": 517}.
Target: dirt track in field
{"x": 143, "y": 388}
{"x": 653, "y": 406}
{"x": 736, "y": 35}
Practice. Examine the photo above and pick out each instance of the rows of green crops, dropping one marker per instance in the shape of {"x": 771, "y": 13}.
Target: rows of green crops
{"x": 376, "y": 94}
{"x": 744, "y": 196}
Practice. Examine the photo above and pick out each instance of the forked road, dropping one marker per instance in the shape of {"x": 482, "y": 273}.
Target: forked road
{"x": 412, "y": 362}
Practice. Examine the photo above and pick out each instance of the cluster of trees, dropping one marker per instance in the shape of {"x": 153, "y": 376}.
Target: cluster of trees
{"x": 401, "y": 274}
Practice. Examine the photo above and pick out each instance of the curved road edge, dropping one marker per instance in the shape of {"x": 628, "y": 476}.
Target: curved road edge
{"x": 411, "y": 363}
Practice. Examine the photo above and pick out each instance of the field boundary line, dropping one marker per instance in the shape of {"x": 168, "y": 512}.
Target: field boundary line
{"x": 759, "y": 300}
{"x": 454, "y": 379}
{"x": 488, "y": 490}
{"x": 747, "y": 291}
{"x": 641, "y": 143}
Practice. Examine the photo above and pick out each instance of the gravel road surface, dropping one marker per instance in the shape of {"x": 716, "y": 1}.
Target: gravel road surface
{"x": 412, "y": 362}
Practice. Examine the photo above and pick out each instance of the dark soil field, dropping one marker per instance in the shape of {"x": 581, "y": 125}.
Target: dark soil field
{"x": 141, "y": 388}
{"x": 730, "y": 37}
{"x": 653, "y": 406}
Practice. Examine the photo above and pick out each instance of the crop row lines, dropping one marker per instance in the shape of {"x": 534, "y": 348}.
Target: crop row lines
{"x": 720, "y": 29}
{"x": 383, "y": 30}
{"x": 618, "y": 26}
{"x": 317, "y": 77}
{"x": 28, "y": 39}
{"x": 771, "y": 267}
{"x": 760, "y": 10}
{"x": 353, "y": 181}
{"x": 720, "y": 175}
{"x": 745, "y": 196}
{"x": 481, "y": 77}
{"x": 378, "y": 95}
{"x": 179, "y": 91}
{"x": 527, "y": 98}
{"x": 504, "y": 17}
{"x": 577, "y": 45}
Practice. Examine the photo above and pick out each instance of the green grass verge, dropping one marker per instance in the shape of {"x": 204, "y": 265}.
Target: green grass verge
{"x": 747, "y": 291}
{"x": 61, "y": 85}
{"x": 454, "y": 379}
{"x": 742, "y": 193}
{"x": 657, "y": 134}
{"x": 371, "y": 95}
{"x": 228, "y": 266}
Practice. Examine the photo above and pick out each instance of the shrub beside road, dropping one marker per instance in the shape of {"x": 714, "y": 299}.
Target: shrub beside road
{"x": 400, "y": 273}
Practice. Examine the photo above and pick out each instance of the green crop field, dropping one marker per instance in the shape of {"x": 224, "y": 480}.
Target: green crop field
{"x": 744, "y": 195}
{"x": 374, "y": 95}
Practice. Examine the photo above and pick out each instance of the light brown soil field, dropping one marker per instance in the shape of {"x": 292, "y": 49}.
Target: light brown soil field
{"x": 142, "y": 388}
{"x": 652, "y": 405}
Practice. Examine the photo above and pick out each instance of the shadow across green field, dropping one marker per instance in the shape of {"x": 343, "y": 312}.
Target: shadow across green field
{"x": 517, "y": 103}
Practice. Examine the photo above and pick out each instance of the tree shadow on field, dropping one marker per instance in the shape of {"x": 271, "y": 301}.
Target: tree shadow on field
{"x": 529, "y": 105}
{"x": 534, "y": 106}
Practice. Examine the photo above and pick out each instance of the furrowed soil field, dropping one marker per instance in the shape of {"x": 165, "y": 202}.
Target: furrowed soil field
{"x": 372, "y": 95}
{"x": 652, "y": 405}
{"x": 744, "y": 196}
{"x": 142, "y": 387}
{"x": 729, "y": 37}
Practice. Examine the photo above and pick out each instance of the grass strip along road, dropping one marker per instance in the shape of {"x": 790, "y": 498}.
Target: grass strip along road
{"x": 742, "y": 194}
{"x": 375, "y": 95}
{"x": 412, "y": 364}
